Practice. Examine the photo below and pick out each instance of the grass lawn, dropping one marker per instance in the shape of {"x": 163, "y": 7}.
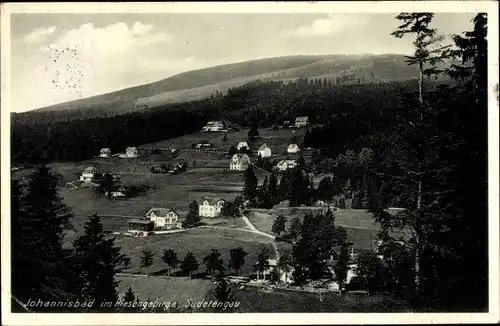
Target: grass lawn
{"x": 179, "y": 289}
{"x": 256, "y": 301}
{"x": 199, "y": 242}
{"x": 278, "y": 140}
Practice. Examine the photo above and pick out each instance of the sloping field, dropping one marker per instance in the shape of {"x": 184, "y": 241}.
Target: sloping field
{"x": 179, "y": 289}
{"x": 199, "y": 242}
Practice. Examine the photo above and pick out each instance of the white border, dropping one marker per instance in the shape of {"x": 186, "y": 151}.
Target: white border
{"x": 252, "y": 318}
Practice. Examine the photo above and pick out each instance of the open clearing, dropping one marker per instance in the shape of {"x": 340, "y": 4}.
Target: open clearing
{"x": 278, "y": 140}
{"x": 199, "y": 242}
{"x": 179, "y": 289}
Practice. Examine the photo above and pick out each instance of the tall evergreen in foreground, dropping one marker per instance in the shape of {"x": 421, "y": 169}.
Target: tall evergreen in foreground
{"x": 97, "y": 260}
{"x": 39, "y": 219}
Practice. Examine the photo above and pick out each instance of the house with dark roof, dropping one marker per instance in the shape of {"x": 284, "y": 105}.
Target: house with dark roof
{"x": 105, "y": 152}
{"x": 89, "y": 174}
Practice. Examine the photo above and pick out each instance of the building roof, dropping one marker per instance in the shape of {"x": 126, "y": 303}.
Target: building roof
{"x": 121, "y": 189}
{"x": 240, "y": 156}
{"x": 263, "y": 147}
{"x": 131, "y": 148}
{"x": 160, "y": 211}
{"x": 287, "y": 162}
{"x": 298, "y": 119}
{"x": 293, "y": 146}
{"x": 90, "y": 169}
{"x": 212, "y": 201}
{"x": 136, "y": 221}
{"x": 105, "y": 149}
{"x": 243, "y": 143}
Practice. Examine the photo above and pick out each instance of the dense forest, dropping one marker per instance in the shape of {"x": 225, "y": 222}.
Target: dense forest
{"x": 421, "y": 145}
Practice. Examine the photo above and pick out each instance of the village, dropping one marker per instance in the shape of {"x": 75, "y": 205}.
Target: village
{"x": 144, "y": 196}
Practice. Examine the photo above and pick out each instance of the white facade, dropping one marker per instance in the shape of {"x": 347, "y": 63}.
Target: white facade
{"x": 131, "y": 152}
{"x": 89, "y": 174}
{"x": 210, "y": 207}
{"x": 301, "y": 122}
{"x": 105, "y": 152}
{"x": 239, "y": 162}
{"x": 286, "y": 165}
{"x": 213, "y": 126}
{"x": 242, "y": 144}
{"x": 264, "y": 151}
{"x": 163, "y": 218}
{"x": 120, "y": 192}
{"x": 293, "y": 148}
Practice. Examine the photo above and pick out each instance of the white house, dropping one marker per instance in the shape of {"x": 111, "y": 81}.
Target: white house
{"x": 120, "y": 192}
{"x": 285, "y": 276}
{"x": 293, "y": 148}
{"x": 284, "y": 165}
{"x": 105, "y": 152}
{"x": 89, "y": 174}
{"x": 264, "y": 151}
{"x": 164, "y": 218}
{"x": 210, "y": 207}
{"x": 213, "y": 126}
{"x": 301, "y": 122}
{"x": 242, "y": 144}
{"x": 239, "y": 162}
{"x": 131, "y": 152}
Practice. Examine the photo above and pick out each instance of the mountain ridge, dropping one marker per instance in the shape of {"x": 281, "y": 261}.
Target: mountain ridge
{"x": 201, "y": 83}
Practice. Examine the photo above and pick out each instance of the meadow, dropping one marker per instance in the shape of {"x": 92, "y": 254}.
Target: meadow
{"x": 199, "y": 241}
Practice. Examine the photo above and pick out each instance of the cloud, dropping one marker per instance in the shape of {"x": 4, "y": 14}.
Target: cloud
{"x": 334, "y": 23}
{"x": 38, "y": 35}
{"x": 90, "y": 60}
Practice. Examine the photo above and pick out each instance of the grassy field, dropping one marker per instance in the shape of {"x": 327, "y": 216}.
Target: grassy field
{"x": 278, "y": 140}
{"x": 179, "y": 289}
{"x": 256, "y": 301}
{"x": 199, "y": 242}
{"x": 361, "y": 228}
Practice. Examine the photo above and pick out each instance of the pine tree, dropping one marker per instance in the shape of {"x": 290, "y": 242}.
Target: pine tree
{"x": 192, "y": 218}
{"x": 237, "y": 259}
{"x": 279, "y": 225}
{"x": 342, "y": 265}
{"x": 40, "y": 267}
{"x": 147, "y": 259}
{"x": 295, "y": 228}
{"x": 214, "y": 263}
{"x": 262, "y": 262}
{"x": 189, "y": 264}
{"x": 272, "y": 188}
{"x": 129, "y": 295}
{"x": 250, "y": 185}
{"x": 97, "y": 259}
{"x": 169, "y": 257}
{"x": 222, "y": 292}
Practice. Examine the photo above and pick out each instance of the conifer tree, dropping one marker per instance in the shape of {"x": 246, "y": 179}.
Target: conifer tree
{"x": 223, "y": 292}
{"x": 272, "y": 188}
{"x": 279, "y": 225}
{"x": 169, "y": 257}
{"x": 40, "y": 267}
{"x": 147, "y": 259}
{"x": 189, "y": 264}
{"x": 250, "y": 185}
{"x": 237, "y": 259}
{"x": 97, "y": 259}
{"x": 192, "y": 218}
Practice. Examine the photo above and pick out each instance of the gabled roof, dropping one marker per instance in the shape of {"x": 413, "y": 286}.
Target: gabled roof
{"x": 131, "y": 148}
{"x": 240, "y": 156}
{"x": 293, "y": 146}
{"x": 160, "y": 211}
{"x": 291, "y": 162}
{"x": 301, "y": 119}
{"x": 90, "y": 169}
{"x": 212, "y": 201}
{"x": 107, "y": 150}
{"x": 242, "y": 143}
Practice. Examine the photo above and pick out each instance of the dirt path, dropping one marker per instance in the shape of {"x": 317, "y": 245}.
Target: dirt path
{"x": 255, "y": 230}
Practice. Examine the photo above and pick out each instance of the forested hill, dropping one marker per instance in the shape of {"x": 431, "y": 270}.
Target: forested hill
{"x": 199, "y": 84}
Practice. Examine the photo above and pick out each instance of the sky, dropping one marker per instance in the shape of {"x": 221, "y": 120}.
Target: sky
{"x": 61, "y": 57}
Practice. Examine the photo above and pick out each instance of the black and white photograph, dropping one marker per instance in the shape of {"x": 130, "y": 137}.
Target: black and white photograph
{"x": 249, "y": 163}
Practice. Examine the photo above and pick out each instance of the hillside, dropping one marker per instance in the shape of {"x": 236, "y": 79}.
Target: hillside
{"x": 202, "y": 83}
